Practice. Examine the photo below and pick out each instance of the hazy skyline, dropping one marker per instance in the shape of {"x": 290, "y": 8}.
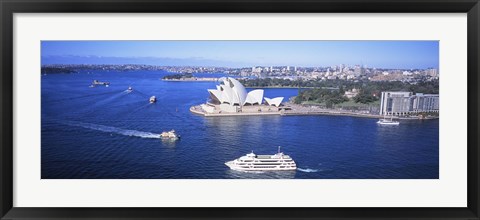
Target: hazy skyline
{"x": 380, "y": 54}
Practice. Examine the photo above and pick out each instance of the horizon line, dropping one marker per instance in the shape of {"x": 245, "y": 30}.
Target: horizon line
{"x": 241, "y": 67}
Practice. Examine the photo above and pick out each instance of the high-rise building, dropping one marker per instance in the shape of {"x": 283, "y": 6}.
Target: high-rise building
{"x": 358, "y": 70}
{"x": 432, "y": 72}
{"x": 425, "y": 102}
{"x": 394, "y": 102}
{"x": 402, "y": 103}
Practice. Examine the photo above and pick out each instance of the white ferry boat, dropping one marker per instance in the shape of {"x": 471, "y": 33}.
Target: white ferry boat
{"x": 253, "y": 162}
{"x": 385, "y": 121}
{"x": 170, "y": 135}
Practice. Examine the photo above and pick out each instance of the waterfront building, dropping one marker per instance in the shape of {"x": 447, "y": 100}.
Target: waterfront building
{"x": 231, "y": 96}
{"x": 403, "y": 103}
{"x": 396, "y": 103}
{"x": 274, "y": 102}
{"x": 425, "y": 103}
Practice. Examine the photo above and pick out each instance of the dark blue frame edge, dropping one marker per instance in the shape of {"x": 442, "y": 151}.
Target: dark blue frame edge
{"x": 9, "y": 7}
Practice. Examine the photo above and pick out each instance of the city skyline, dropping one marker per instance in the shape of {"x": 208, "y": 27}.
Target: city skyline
{"x": 379, "y": 54}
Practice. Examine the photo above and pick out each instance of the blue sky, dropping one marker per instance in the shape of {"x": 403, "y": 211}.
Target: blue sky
{"x": 380, "y": 54}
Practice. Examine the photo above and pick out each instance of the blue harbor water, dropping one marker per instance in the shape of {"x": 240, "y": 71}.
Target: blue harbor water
{"x": 106, "y": 133}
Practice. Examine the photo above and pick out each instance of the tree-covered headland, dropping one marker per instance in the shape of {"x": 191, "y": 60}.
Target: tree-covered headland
{"x": 332, "y": 92}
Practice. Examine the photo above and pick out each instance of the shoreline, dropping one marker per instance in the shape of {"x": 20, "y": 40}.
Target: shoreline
{"x": 197, "y": 112}
{"x": 278, "y": 87}
{"x": 194, "y": 79}
{"x": 324, "y": 112}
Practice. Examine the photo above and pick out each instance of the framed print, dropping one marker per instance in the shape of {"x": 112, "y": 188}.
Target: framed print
{"x": 256, "y": 110}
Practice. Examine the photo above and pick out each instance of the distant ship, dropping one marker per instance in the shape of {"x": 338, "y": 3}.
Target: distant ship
{"x": 170, "y": 135}
{"x": 96, "y": 83}
{"x": 153, "y": 99}
{"x": 130, "y": 89}
{"x": 253, "y": 162}
{"x": 385, "y": 121}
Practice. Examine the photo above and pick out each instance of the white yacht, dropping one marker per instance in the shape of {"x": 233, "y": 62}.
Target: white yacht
{"x": 153, "y": 99}
{"x": 253, "y": 162}
{"x": 170, "y": 135}
{"x": 385, "y": 121}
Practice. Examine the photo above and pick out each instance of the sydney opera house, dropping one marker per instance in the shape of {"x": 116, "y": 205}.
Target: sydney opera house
{"x": 231, "y": 96}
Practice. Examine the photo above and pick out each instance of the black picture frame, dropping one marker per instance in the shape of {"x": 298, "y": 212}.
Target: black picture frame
{"x": 9, "y": 7}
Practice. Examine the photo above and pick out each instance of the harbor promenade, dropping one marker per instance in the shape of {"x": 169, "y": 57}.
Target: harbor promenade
{"x": 288, "y": 110}
{"x": 199, "y": 111}
{"x": 298, "y": 110}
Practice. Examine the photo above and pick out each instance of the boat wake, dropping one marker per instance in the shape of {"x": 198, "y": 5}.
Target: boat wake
{"x": 107, "y": 129}
{"x": 308, "y": 170}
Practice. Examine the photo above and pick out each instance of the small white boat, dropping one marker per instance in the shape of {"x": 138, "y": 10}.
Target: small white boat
{"x": 253, "y": 162}
{"x": 153, "y": 99}
{"x": 130, "y": 89}
{"x": 170, "y": 135}
{"x": 97, "y": 83}
{"x": 385, "y": 121}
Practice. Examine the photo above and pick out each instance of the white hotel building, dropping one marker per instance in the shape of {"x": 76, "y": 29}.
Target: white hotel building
{"x": 404, "y": 103}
